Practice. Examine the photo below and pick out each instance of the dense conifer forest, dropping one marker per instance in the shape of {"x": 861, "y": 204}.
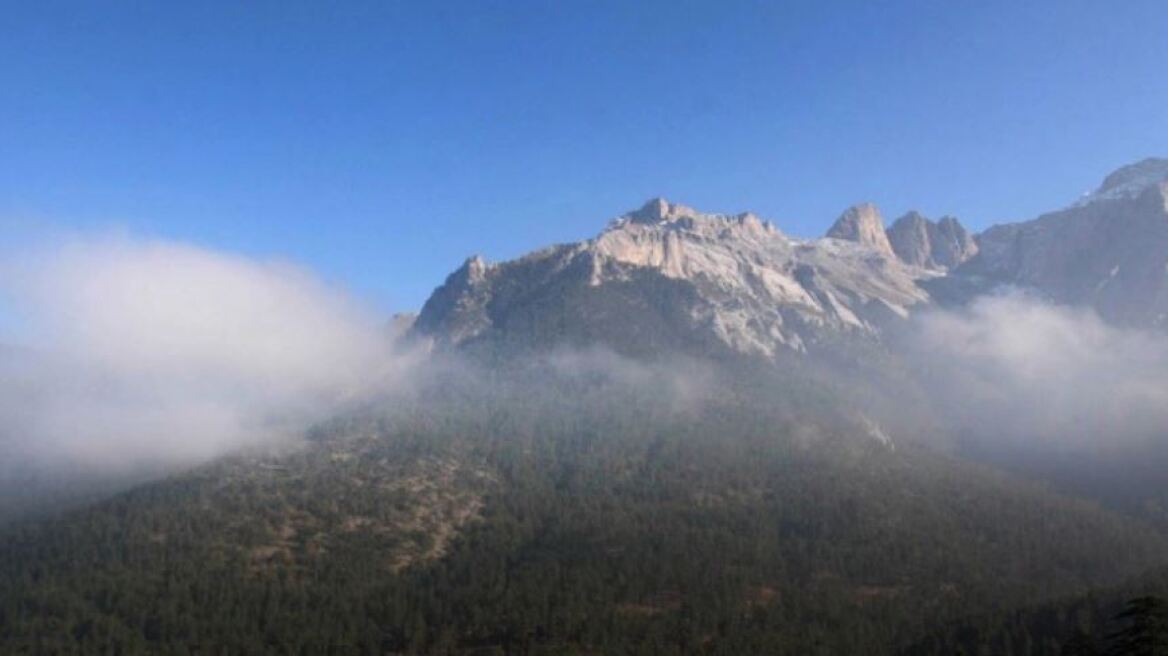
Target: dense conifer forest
{"x": 519, "y": 522}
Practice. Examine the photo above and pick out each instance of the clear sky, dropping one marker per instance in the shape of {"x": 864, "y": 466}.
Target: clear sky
{"x": 381, "y": 143}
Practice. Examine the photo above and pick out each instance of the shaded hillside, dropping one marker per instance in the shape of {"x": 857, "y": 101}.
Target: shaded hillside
{"x": 491, "y": 518}
{"x": 1082, "y": 625}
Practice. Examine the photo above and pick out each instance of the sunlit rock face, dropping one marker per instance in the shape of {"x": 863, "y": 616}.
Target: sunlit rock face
{"x": 862, "y": 224}
{"x": 668, "y": 276}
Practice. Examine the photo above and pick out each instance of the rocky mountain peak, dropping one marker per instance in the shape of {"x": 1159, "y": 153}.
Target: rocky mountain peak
{"x": 1144, "y": 172}
{"x": 909, "y": 237}
{"x": 669, "y": 277}
{"x": 659, "y": 217}
{"x": 949, "y": 223}
{"x": 658, "y": 209}
{"x": 474, "y": 268}
{"x": 1129, "y": 181}
{"x": 911, "y": 217}
{"x": 862, "y": 224}
{"x": 455, "y": 310}
{"x": 941, "y": 244}
{"x": 951, "y": 243}
{"x": 1108, "y": 251}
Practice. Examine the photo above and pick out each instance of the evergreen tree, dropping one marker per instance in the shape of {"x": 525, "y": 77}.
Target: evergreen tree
{"x": 1146, "y": 630}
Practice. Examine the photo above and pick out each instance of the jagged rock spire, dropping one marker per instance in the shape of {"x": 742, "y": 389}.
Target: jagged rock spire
{"x": 862, "y": 224}
{"x": 920, "y": 242}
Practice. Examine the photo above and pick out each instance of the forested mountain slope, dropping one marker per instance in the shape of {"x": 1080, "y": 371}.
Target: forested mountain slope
{"x": 494, "y": 521}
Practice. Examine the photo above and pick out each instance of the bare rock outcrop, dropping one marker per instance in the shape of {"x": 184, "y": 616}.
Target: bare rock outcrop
{"x": 942, "y": 244}
{"x": 862, "y": 224}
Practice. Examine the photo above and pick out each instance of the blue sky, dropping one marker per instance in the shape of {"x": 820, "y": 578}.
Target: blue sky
{"x": 381, "y": 143}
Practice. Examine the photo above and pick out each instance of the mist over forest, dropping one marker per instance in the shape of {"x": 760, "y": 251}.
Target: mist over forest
{"x": 551, "y": 329}
{"x": 142, "y": 357}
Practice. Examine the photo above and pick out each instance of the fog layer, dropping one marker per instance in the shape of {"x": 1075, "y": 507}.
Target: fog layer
{"x": 1011, "y": 370}
{"x": 142, "y": 356}
{"x": 150, "y": 353}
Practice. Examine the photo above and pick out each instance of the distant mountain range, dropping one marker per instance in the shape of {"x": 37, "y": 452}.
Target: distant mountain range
{"x": 668, "y": 277}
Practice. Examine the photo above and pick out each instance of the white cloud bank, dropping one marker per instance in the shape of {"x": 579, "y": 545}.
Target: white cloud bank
{"x": 143, "y": 355}
{"x": 1014, "y": 371}
{"x": 153, "y": 353}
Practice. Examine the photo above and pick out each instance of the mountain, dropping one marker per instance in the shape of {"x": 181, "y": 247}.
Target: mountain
{"x": 862, "y": 224}
{"x": 743, "y": 475}
{"x": 1129, "y": 181}
{"x": 1108, "y": 251}
{"x": 667, "y": 277}
{"x": 942, "y": 244}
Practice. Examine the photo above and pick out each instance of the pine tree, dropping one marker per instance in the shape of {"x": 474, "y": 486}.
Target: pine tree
{"x": 1146, "y": 630}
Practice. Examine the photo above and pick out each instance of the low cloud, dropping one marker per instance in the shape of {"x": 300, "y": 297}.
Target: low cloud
{"x": 141, "y": 356}
{"x": 146, "y": 354}
{"x": 1011, "y": 370}
{"x": 682, "y": 382}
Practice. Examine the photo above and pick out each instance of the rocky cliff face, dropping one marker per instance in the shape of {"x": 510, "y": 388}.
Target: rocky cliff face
{"x": 668, "y": 276}
{"x": 920, "y": 242}
{"x": 1108, "y": 251}
{"x": 862, "y": 224}
{"x": 1129, "y": 181}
